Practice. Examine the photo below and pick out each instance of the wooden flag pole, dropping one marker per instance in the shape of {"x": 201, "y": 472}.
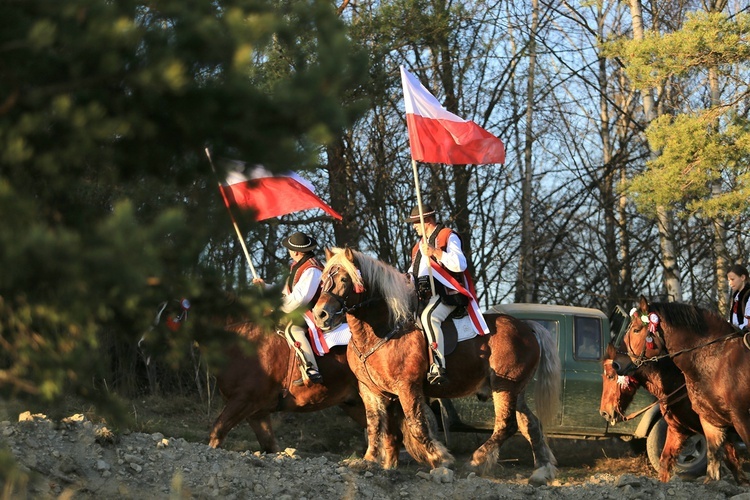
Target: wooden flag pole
{"x": 421, "y": 222}
{"x": 231, "y": 216}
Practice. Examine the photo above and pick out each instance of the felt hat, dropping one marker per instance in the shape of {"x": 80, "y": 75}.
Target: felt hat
{"x": 300, "y": 242}
{"x": 427, "y": 211}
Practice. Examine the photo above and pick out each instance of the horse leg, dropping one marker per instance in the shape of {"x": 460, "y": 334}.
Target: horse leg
{"x": 504, "y": 402}
{"x": 531, "y": 429}
{"x": 733, "y": 462}
{"x": 233, "y": 413}
{"x": 715, "y": 437}
{"x": 672, "y": 446}
{"x": 741, "y": 424}
{"x": 356, "y": 411}
{"x": 264, "y": 433}
{"x": 375, "y": 411}
{"x": 418, "y": 436}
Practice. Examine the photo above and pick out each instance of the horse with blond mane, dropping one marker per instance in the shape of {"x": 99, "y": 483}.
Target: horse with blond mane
{"x": 388, "y": 354}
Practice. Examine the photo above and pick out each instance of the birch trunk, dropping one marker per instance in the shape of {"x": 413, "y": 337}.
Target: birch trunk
{"x": 526, "y": 273}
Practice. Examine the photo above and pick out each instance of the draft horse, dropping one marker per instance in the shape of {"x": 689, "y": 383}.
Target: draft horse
{"x": 389, "y": 357}
{"x": 256, "y": 376}
{"x": 713, "y": 356}
{"x": 667, "y": 383}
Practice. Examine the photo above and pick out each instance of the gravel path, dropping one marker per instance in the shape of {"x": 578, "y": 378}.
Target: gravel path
{"x": 76, "y": 458}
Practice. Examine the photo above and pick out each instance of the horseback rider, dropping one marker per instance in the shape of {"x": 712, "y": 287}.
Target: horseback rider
{"x": 300, "y": 292}
{"x": 439, "y": 247}
{"x": 740, "y": 311}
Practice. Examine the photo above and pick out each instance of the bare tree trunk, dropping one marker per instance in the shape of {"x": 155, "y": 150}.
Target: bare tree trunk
{"x": 346, "y": 232}
{"x": 671, "y": 273}
{"x": 607, "y": 182}
{"x": 720, "y": 233}
{"x": 719, "y": 224}
{"x": 461, "y": 174}
{"x": 526, "y": 272}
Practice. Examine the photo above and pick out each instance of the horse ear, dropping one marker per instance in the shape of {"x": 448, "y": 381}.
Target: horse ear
{"x": 329, "y": 253}
{"x": 349, "y": 254}
{"x": 643, "y": 306}
{"x": 611, "y": 351}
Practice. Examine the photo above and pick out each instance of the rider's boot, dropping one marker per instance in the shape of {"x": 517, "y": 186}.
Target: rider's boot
{"x": 436, "y": 375}
{"x": 308, "y": 365}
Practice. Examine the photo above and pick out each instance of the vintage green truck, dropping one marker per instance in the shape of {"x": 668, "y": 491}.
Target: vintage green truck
{"x": 582, "y": 337}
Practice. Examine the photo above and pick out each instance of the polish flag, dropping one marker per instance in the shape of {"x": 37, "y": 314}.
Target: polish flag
{"x": 438, "y": 136}
{"x": 271, "y": 195}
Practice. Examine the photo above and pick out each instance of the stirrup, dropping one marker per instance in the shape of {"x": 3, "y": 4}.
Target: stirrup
{"x": 436, "y": 375}
{"x": 314, "y": 376}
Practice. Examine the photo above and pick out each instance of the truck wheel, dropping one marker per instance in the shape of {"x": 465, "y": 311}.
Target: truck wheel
{"x": 692, "y": 459}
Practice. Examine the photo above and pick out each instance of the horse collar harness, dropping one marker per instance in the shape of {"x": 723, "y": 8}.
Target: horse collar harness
{"x": 363, "y": 356}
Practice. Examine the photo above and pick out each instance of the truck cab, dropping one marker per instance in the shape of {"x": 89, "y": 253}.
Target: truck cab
{"x": 582, "y": 337}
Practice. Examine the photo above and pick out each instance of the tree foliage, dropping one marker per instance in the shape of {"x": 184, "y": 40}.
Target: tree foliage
{"x": 698, "y": 145}
{"x": 107, "y": 200}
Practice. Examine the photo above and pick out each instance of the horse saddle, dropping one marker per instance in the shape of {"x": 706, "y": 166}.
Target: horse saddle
{"x": 454, "y": 330}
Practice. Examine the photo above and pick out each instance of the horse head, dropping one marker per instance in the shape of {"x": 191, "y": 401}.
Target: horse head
{"x": 352, "y": 280}
{"x": 644, "y": 338}
{"x": 342, "y": 288}
{"x": 618, "y": 390}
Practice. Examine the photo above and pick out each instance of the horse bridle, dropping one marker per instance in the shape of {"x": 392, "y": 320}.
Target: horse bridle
{"x": 628, "y": 380}
{"x": 327, "y": 286}
{"x": 637, "y": 360}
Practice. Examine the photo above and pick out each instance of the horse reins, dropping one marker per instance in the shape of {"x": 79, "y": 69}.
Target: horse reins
{"x": 665, "y": 400}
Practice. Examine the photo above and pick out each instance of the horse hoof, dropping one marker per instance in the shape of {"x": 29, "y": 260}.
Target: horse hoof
{"x": 360, "y": 464}
{"x": 543, "y": 475}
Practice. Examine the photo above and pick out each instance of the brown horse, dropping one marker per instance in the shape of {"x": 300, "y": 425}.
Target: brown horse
{"x": 711, "y": 354}
{"x": 256, "y": 377}
{"x": 389, "y": 357}
{"x": 667, "y": 383}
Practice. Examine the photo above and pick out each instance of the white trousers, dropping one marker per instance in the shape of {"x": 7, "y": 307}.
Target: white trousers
{"x": 433, "y": 315}
{"x": 298, "y": 335}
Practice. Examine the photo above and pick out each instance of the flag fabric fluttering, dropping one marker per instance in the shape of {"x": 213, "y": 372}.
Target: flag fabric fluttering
{"x": 438, "y": 136}
{"x": 271, "y": 195}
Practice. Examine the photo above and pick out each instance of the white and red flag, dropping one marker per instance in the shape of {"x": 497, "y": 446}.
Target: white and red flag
{"x": 438, "y": 136}
{"x": 271, "y": 195}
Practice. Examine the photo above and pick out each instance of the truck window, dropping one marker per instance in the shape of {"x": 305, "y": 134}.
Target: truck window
{"x": 552, "y": 325}
{"x": 588, "y": 338}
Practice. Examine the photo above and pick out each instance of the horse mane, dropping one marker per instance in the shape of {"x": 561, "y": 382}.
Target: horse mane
{"x": 381, "y": 278}
{"x": 679, "y": 315}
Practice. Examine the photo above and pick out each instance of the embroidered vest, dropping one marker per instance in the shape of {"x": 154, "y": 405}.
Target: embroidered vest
{"x": 438, "y": 239}
{"x": 739, "y": 302}
{"x": 298, "y": 269}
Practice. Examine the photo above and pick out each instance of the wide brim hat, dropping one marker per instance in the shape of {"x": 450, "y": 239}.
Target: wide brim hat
{"x": 427, "y": 211}
{"x": 300, "y": 242}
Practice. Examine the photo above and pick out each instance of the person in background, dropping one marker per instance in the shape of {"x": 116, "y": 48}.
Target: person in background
{"x": 740, "y": 310}
{"x": 301, "y": 291}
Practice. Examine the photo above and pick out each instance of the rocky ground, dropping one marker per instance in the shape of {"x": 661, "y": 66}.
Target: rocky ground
{"x": 77, "y": 458}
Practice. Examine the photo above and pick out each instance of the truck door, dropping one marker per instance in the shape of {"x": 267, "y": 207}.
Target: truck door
{"x": 582, "y": 376}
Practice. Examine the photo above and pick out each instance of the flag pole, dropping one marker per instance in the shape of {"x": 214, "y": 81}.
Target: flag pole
{"x": 231, "y": 216}
{"x": 421, "y": 222}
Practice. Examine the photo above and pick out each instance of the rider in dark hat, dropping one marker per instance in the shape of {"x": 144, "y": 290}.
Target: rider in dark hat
{"x": 443, "y": 247}
{"x": 301, "y": 290}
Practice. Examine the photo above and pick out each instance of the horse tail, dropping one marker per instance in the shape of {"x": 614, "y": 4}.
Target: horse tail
{"x": 549, "y": 374}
